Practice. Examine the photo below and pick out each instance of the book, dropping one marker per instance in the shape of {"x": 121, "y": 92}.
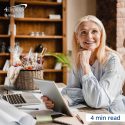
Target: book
{"x": 10, "y": 115}
{"x": 59, "y": 1}
{"x": 54, "y": 16}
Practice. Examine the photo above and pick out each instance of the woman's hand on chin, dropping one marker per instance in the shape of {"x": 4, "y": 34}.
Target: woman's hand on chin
{"x": 84, "y": 60}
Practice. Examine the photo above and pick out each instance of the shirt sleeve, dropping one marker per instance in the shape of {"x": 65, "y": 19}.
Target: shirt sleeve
{"x": 73, "y": 89}
{"x": 101, "y": 93}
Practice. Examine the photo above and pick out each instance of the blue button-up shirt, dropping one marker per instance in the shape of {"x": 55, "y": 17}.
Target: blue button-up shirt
{"x": 101, "y": 88}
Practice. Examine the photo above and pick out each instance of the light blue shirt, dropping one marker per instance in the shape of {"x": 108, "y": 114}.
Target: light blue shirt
{"x": 101, "y": 88}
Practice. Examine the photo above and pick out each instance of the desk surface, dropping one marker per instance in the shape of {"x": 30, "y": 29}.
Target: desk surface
{"x": 87, "y": 110}
{"x": 93, "y": 111}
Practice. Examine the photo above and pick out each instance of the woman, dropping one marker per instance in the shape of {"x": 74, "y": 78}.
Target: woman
{"x": 97, "y": 77}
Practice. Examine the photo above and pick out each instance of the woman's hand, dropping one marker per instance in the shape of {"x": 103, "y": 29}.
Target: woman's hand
{"x": 84, "y": 60}
{"x": 49, "y": 103}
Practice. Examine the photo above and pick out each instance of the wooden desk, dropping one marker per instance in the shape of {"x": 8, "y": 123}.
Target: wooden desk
{"x": 86, "y": 109}
{"x": 93, "y": 111}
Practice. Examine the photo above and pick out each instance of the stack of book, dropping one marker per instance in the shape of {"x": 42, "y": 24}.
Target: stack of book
{"x": 55, "y": 16}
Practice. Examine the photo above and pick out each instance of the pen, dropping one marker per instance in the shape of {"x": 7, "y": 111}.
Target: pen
{"x": 62, "y": 123}
{"x": 80, "y": 120}
{"x": 27, "y": 108}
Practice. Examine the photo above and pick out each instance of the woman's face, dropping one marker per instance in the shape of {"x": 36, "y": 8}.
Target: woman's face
{"x": 88, "y": 36}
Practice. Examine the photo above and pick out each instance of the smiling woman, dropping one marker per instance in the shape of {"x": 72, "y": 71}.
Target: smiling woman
{"x": 88, "y": 35}
{"x": 97, "y": 76}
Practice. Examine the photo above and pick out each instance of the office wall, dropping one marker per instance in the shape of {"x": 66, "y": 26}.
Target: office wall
{"x": 75, "y": 10}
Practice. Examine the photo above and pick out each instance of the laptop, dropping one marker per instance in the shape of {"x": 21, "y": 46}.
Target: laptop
{"x": 21, "y": 99}
{"x": 50, "y": 89}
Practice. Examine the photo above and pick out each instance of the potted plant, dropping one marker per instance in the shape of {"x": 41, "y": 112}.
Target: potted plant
{"x": 63, "y": 59}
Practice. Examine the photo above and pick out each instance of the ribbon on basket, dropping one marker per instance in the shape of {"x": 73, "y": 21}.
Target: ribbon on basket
{"x": 12, "y": 75}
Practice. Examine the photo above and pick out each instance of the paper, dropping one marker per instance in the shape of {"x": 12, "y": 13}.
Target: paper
{"x": 68, "y": 120}
{"x": 10, "y": 115}
{"x": 73, "y": 120}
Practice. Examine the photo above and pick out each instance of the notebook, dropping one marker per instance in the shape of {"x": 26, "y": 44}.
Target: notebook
{"x": 49, "y": 88}
{"x": 66, "y": 120}
{"x": 21, "y": 99}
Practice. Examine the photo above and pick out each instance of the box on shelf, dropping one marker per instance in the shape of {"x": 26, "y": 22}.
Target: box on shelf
{"x": 17, "y": 11}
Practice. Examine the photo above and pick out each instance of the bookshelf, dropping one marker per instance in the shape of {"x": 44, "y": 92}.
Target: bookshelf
{"x": 36, "y": 19}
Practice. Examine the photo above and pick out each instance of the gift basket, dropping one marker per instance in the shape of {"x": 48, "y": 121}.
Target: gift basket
{"x": 25, "y": 68}
{"x": 24, "y": 80}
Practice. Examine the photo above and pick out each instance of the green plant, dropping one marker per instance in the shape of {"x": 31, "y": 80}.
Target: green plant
{"x": 62, "y": 58}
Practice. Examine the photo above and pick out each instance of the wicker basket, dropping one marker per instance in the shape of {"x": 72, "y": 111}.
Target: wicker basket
{"x": 24, "y": 80}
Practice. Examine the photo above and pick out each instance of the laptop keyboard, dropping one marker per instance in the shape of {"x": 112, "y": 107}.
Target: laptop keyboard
{"x": 14, "y": 98}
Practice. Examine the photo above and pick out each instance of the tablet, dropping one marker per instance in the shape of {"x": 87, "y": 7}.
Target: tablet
{"x": 49, "y": 89}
